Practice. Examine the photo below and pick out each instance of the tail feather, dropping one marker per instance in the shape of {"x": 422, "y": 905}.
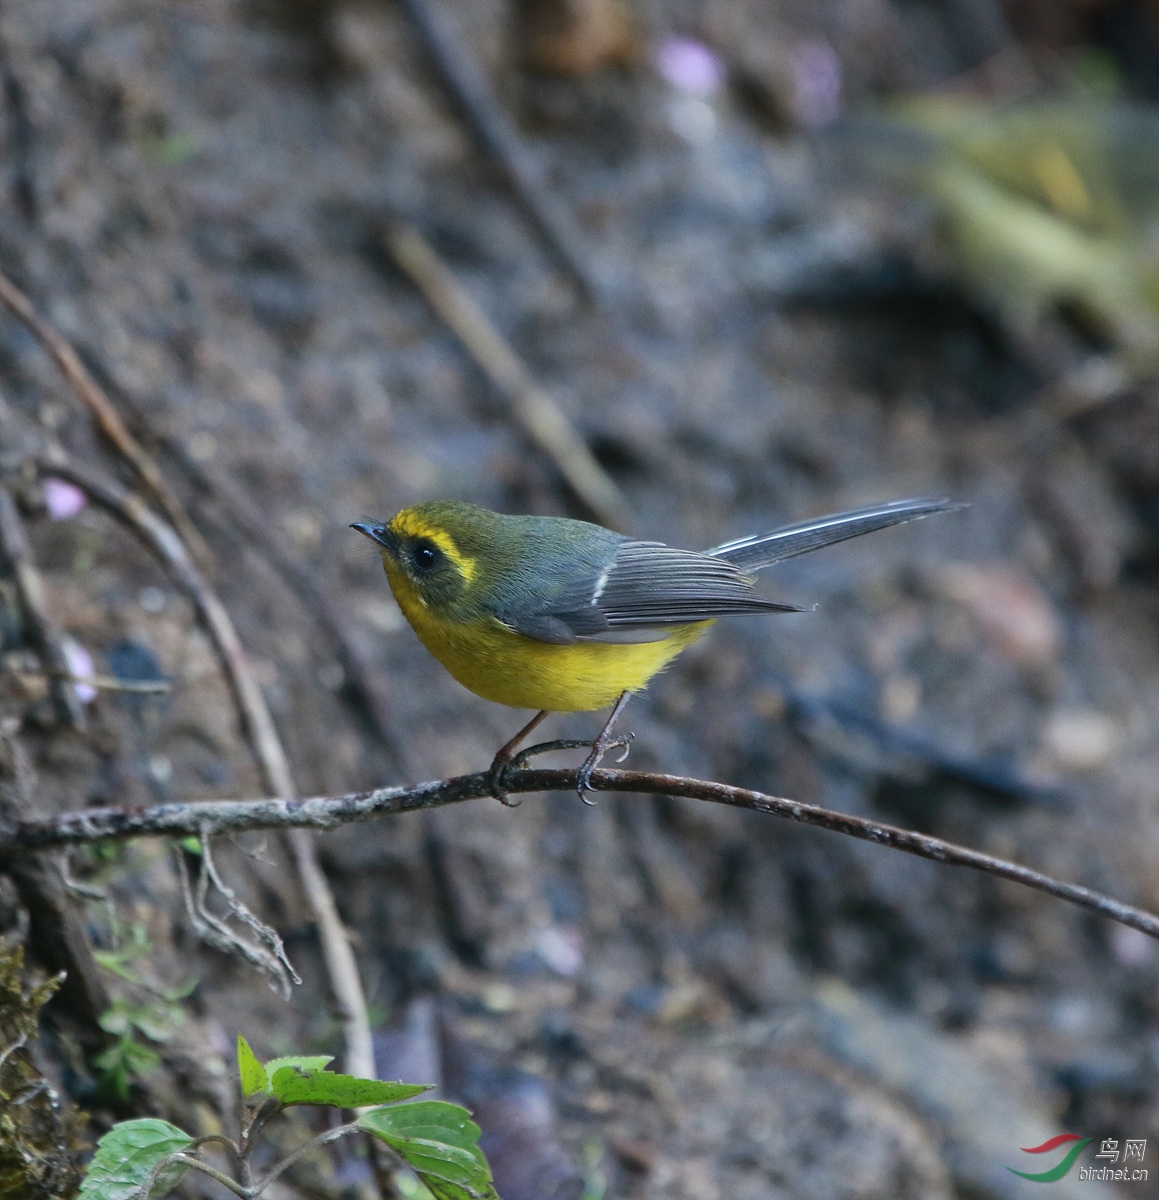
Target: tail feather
{"x": 763, "y": 549}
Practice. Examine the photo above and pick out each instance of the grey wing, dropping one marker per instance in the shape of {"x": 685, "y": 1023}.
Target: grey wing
{"x": 636, "y": 591}
{"x": 764, "y": 549}
{"x": 642, "y": 592}
{"x": 650, "y": 585}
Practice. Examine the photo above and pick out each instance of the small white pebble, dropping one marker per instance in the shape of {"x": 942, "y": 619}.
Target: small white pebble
{"x": 1080, "y": 740}
{"x": 692, "y": 119}
{"x": 151, "y": 599}
{"x": 161, "y": 768}
{"x": 499, "y": 998}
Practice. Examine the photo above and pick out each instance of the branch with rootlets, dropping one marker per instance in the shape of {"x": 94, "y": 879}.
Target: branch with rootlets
{"x": 213, "y": 817}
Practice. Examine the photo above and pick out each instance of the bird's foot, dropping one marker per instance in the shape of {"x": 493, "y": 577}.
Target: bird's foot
{"x": 496, "y": 779}
{"x": 502, "y": 762}
{"x": 600, "y": 747}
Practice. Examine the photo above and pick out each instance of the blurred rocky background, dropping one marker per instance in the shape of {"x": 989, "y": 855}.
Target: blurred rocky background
{"x": 770, "y": 259}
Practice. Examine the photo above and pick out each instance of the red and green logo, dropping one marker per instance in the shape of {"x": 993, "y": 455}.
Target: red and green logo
{"x": 1060, "y": 1169}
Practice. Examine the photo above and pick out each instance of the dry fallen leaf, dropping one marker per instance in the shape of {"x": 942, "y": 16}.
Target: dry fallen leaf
{"x": 1010, "y": 610}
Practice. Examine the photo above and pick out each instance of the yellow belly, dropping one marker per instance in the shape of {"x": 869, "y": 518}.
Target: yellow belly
{"x": 500, "y": 665}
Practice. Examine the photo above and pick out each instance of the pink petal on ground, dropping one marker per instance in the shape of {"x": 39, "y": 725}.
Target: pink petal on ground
{"x": 80, "y": 664}
{"x": 689, "y": 66}
{"x": 62, "y": 499}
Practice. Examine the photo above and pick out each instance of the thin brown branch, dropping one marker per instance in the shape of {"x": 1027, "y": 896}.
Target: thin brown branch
{"x": 329, "y": 812}
{"x": 45, "y": 636}
{"x": 531, "y": 406}
{"x": 341, "y": 966}
{"x": 260, "y": 729}
{"x": 102, "y": 683}
{"x": 234, "y": 513}
{"x": 160, "y": 537}
{"x": 102, "y": 411}
{"x": 496, "y": 137}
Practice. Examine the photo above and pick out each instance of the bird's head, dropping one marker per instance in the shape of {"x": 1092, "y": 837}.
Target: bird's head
{"x": 440, "y": 552}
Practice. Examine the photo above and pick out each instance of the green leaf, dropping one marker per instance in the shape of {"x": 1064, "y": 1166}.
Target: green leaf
{"x": 128, "y": 1153}
{"x": 440, "y": 1142}
{"x": 253, "y": 1075}
{"x": 304, "y": 1062}
{"x": 119, "y": 1064}
{"x": 156, "y": 1020}
{"x": 292, "y": 1086}
{"x": 450, "y": 1123}
{"x": 410, "y": 1186}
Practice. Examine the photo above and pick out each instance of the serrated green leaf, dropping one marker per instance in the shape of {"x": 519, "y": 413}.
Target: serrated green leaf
{"x": 440, "y": 1142}
{"x": 304, "y": 1062}
{"x": 433, "y": 1119}
{"x": 450, "y": 1163}
{"x": 127, "y": 1154}
{"x": 253, "y": 1075}
{"x": 292, "y": 1086}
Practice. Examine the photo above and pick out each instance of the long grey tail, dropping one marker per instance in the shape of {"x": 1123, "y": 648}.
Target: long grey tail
{"x": 763, "y": 549}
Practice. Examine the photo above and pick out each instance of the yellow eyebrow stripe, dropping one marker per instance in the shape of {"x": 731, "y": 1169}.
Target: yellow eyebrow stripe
{"x": 409, "y": 525}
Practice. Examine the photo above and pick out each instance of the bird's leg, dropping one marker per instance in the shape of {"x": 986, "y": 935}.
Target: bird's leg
{"x": 502, "y": 760}
{"x": 600, "y": 747}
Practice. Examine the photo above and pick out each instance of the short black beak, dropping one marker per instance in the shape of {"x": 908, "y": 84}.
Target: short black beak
{"x": 375, "y": 531}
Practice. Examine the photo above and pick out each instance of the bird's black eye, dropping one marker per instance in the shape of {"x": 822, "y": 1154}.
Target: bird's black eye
{"x": 424, "y": 556}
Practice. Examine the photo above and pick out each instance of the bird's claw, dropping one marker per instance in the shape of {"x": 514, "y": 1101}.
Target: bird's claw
{"x": 593, "y": 760}
{"x": 497, "y": 779}
{"x": 497, "y": 773}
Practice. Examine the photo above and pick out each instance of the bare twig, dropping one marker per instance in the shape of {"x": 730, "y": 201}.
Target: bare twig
{"x": 341, "y": 966}
{"x": 102, "y": 683}
{"x": 329, "y": 812}
{"x": 259, "y": 726}
{"x": 268, "y": 955}
{"x": 46, "y": 637}
{"x": 496, "y": 137}
{"x": 216, "y": 933}
{"x": 263, "y": 932}
{"x": 530, "y": 404}
{"x": 189, "y": 1160}
{"x": 102, "y": 411}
